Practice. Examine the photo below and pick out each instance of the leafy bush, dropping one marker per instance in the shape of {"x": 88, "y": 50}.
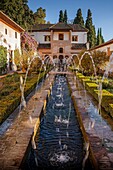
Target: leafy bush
{"x": 3, "y": 59}
{"x": 10, "y": 97}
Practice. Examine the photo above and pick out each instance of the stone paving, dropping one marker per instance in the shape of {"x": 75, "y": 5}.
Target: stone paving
{"x": 14, "y": 142}
{"x": 103, "y": 157}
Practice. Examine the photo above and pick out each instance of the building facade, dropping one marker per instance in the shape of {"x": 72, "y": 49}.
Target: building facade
{"x": 104, "y": 47}
{"x": 60, "y": 40}
{"x": 10, "y": 33}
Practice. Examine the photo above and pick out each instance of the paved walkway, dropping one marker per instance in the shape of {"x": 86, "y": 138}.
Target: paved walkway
{"x": 14, "y": 143}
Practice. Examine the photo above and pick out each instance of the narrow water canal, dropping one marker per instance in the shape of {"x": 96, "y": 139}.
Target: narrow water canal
{"x": 59, "y": 141}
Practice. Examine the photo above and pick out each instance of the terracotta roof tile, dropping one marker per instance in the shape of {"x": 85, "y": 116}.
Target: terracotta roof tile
{"x": 61, "y": 26}
{"x": 58, "y": 26}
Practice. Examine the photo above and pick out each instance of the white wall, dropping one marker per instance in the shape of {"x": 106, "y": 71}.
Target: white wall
{"x": 39, "y": 36}
{"x": 104, "y": 48}
{"x": 56, "y": 35}
{"x": 10, "y": 37}
{"x": 82, "y": 37}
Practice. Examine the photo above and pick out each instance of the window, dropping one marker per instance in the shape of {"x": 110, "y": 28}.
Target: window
{"x": 61, "y": 36}
{"x": 5, "y": 31}
{"x": 60, "y": 50}
{"x": 15, "y": 34}
{"x": 47, "y": 38}
{"x": 75, "y": 38}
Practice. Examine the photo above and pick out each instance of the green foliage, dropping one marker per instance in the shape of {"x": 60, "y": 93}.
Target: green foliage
{"x": 100, "y": 38}
{"x": 18, "y": 11}
{"x": 10, "y": 95}
{"x": 65, "y": 16}
{"x": 100, "y": 60}
{"x": 91, "y": 36}
{"x": 3, "y": 59}
{"x": 61, "y": 16}
{"x": 39, "y": 16}
{"x": 79, "y": 18}
{"x": 17, "y": 58}
{"x": 111, "y": 110}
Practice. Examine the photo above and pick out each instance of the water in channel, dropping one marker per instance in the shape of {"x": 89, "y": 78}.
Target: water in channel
{"x": 59, "y": 141}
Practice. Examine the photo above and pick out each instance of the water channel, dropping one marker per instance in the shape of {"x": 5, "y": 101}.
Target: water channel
{"x": 59, "y": 140}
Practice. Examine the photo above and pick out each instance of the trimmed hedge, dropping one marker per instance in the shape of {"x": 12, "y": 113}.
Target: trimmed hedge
{"x": 91, "y": 87}
{"x": 9, "y": 102}
{"x": 111, "y": 110}
{"x": 107, "y": 97}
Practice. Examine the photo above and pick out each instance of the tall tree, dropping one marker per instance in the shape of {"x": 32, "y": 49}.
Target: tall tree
{"x": 65, "y": 16}
{"x": 91, "y": 33}
{"x": 40, "y": 15}
{"x": 94, "y": 36}
{"x": 18, "y": 11}
{"x": 61, "y": 16}
{"x": 79, "y": 18}
{"x": 100, "y": 38}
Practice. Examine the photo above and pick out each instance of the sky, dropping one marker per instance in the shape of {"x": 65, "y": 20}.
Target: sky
{"x": 102, "y": 12}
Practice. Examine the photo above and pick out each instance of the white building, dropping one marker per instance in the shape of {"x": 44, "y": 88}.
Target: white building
{"x": 104, "y": 47}
{"x": 10, "y": 38}
{"x": 60, "y": 40}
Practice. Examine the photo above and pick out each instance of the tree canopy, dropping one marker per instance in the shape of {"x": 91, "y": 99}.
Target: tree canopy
{"x": 18, "y": 11}
{"x": 79, "y": 18}
{"x": 39, "y": 16}
{"x": 61, "y": 16}
{"x": 91, "y": 36}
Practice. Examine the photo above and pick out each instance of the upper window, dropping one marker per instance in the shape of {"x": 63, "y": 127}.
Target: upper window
{"x": 5, "y": 31}
{"x": 60, "y": 50}
{"x": 61, "y": 36}
{"x": 15, "y": 34}
{"x": 47, "y": 38}
{"x": 75, "y": 38}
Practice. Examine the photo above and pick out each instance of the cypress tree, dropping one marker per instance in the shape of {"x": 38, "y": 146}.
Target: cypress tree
{"x": 79, "y": 18}
{"x": 100, "y": 38}
{"x": 65, "y": 16}
{"x": 91, "y": 36}
{"x": 61, "y": 16}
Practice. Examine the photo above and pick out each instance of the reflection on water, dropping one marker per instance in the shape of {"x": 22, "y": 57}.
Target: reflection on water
{"x": 59, "y": 143}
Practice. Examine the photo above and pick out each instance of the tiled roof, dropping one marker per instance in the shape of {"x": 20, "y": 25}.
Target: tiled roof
{"x": 103, "y": 44}
{"x": 78, "y": 46}
{"x": 61, "y": 26}
{"x": 77, "y": 27}
{"x": 41, "y": 27}
{"x": 7, "y": 20}
{"x": 47, "y": 46}
{"x": 58, "y": 26}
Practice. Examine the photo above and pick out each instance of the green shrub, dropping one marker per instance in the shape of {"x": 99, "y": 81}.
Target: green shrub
{"x": 3, "y": 59}
{"x": 111, "y": 110}
{"x": 12, "y": 98}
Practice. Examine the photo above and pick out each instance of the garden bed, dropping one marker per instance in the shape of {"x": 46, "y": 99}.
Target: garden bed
{"x": 10, "y": 95}
{"x": 92, "y": 87}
